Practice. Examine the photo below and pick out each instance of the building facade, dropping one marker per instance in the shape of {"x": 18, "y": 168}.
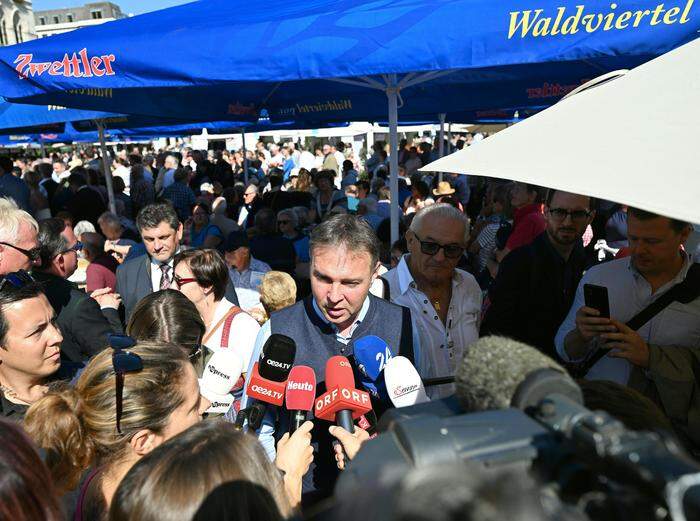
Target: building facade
{"x": 57, "y": 21}
{"x": 16, "y": 21}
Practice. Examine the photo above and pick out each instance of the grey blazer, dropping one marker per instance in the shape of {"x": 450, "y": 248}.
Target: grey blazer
{"x": 134, "y": 283}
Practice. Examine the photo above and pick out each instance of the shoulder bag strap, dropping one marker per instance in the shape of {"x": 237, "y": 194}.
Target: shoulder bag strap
{"x": 230, "y": 314}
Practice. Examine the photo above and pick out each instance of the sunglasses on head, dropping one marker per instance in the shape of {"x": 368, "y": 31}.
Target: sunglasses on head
{"x": 33, "y": 254}
{"x": 123, "y": 361}
{"x": 452, "y": 251}
{"x": 17, "y": 279}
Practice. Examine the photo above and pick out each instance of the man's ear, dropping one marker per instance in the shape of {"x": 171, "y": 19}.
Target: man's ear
{"x": 375, "y": 271}
{"x": 179, "y": 233}
{"x": 144, "y": 441}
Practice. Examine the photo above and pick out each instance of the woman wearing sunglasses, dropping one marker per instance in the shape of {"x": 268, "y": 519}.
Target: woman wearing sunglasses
{"x": 128, "y": 400}
{"x": 202, "y": 276}
{"x": 30, "y": 344}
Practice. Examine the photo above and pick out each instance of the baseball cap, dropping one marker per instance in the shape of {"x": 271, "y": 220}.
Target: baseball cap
{"x": 236, "y": 240}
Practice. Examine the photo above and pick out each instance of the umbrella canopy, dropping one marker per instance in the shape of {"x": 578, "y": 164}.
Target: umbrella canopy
{"x": 222, "y": 59}
{"x": 645, "y": 155}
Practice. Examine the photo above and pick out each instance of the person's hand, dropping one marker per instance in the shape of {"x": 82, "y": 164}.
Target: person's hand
{"x": 106, "y": 298}
{"x": 627, "y": 344}
{"x": 590, "y": 324}
{"x": 109, "y": 246}
{"x": 294, "y": 456}
{"x": 350, "y": 443}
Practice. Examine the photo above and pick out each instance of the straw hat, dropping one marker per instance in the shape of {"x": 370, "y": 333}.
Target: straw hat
{"x": 444, "y": 188}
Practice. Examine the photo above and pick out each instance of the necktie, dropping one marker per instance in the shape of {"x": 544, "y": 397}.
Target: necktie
{"x": 165, "y": 280}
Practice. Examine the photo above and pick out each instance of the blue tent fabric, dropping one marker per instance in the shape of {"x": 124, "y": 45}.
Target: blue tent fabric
{"x": 484, "y": 54}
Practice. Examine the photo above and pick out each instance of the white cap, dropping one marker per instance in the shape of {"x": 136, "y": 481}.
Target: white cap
{"x": 403, "y": 383}
{"x": 218, "y": 378}
{"x": 207, "y": 187}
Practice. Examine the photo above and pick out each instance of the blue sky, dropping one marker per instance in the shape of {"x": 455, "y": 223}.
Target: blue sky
{"x": 128, "y": 6}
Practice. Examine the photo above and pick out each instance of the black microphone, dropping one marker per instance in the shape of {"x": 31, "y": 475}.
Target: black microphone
{"x": 269, "y": 377}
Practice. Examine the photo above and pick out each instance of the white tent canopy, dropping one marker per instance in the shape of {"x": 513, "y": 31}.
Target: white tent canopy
{"x": 633, "y": 140}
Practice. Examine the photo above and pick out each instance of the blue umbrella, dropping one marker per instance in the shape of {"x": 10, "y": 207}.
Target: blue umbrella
{"x": 338, "y": 59}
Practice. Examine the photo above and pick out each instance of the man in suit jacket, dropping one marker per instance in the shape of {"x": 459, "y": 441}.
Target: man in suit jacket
{"x": 161, "y": 232}
{"x": 84, "y": 322}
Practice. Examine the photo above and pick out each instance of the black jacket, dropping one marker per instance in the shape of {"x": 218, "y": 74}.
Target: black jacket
{"x": 532, "y": 294}
{"x": 83, "y": 324}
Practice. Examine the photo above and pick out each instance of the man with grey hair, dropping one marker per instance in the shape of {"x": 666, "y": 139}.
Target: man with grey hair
{"x": 445, "y": 302}
{"x": 339, "y": 311}
{"x": 19, "y": 248}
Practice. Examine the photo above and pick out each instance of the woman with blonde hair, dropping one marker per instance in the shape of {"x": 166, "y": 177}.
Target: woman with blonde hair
{"x": 128, "y": 400}
{"x": 277, "y": 290}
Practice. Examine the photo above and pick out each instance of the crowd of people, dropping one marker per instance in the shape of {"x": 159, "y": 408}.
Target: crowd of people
{"x": 113, "y": 322}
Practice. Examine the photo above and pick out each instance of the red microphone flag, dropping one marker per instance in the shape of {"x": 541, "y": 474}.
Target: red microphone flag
{"x": 301, "y": 388}
{"x": 341, "y": 394}
{"x": 265, "y": 390}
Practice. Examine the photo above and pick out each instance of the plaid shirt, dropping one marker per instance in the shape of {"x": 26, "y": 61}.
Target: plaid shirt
{"x": 182, "y": 198}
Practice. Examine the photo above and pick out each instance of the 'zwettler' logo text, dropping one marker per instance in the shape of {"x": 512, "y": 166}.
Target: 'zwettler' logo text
{"x": 76, "y": 65}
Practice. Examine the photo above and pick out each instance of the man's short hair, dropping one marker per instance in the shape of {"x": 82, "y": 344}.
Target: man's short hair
{"x": 441, "y": 210}
{"x": 109, "y": 220}
{"x": 51, "y": 242}
{"x": 10, "y": 295}
{"x": 153, "y": 214}
{"x": 11, "y": 218}
{"x": 180, "y": 175}
{"x": 677, "y": 225}
{"x": 592, "y": 202}
{"x": 208, "y": 268}
{"x": 352, "y": 232}
{"x": 384, "y": 193}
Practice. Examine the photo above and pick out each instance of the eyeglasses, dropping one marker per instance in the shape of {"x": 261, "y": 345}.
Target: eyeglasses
{"x": 179, "y": 281}
{"x": 560, "y": 214}
{"x": 17, "y": 279}
{"x": 78, "y": 246}
{"x": 123, "y": 361}
{"x": 33, "y": 255}
{"x": 452, "y": 251}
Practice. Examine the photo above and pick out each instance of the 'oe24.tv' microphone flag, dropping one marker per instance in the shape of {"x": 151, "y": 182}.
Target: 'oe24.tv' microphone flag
{"x": 372, "y": 353}
{"x": 300, "y": 396}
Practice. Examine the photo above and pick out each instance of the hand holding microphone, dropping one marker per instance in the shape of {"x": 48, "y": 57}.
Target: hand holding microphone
{"x": 294, "y": 456}
{"x": 349, "y": 443}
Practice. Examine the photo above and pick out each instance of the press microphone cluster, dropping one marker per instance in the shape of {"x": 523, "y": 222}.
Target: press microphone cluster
{"x": 341, "y": 402}
{"x": 300, "y": 395}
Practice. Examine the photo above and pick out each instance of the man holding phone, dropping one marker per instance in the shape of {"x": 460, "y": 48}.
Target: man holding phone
{"x": 657, "y": 262}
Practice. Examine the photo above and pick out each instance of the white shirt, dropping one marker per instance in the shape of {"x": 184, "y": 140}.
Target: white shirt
{"x": 629, "y": 293}
{"x": 442, "y": 345}
{"x": 244, "y": 330}
{"x": 157, "y": 273}
{"x": 307, "y": 160}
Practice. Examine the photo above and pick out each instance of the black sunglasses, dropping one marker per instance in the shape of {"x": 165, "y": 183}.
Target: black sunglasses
{"x": 78, "y": 246}
{"x": 123, "y": 361}
{"x": 17, "y": 279}
{"x": 33, "y": 254}
{"x": 452, "y": 251}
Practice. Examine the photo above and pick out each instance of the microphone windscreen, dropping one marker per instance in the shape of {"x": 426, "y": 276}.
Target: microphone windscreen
{"x": 220, "y": 376}
{"x": 371, "y": 353}
{"x": 301, "y": 389}
{"x": 339, "y": 373}
{"x": 403, "y": 383}
{"x": 277, "y": 357}
{"x": 493, "y": 368}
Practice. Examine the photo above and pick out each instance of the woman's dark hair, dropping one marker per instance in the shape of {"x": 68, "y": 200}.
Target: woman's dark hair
{"x": 166, "y": 316}
{"x": 10, "y": 295}
{"x": 592, "y": 203}
{"x": 173, "y": 480}
{"x": 422, "y": 188}
{"x": 208, "y": 268}
{"x": 26, "y": 487}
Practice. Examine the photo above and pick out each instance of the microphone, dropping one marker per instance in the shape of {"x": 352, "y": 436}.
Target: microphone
{"x": 269, "y": 375}
{"x": 403, "y": 383}
{"x": 372, "y": 353}
{"x": 341, "y": 402}
{"x": 497, "y": 373}
{"x": 220, "y": 376}
{"x": 301, "y": 392}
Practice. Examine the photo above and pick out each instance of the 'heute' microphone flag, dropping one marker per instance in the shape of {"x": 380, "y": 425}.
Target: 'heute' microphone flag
{"x": 277, "y": 357}
{"x": 403, "y": 383}
{"x": 301, "y": 389}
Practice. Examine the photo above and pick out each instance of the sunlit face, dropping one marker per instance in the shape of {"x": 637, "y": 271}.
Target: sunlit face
{"x": 239, "y": 258}
{"x": 444, "y": 231}
{"x": 654, "y": 245}
{"x": 162, "y": 241}
{"x": 188, "y": 413}
{"x": 191, "y": 289}
{"x": 12, "y": 259}
{"x": 249, "y": 195}
{"x": 70, "y": 257}
{"x": 569, "y": 230}
{"x": 340, "y": 281}
{"x": 326, "y": 150}
{"x": 200, "y": 215}
{"x": 32, "y": 344}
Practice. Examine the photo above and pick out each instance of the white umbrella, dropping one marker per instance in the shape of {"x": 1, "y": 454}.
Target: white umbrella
{"x": 633, "y": 140}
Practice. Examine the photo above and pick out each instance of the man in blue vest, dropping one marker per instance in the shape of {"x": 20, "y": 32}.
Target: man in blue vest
{"x": 344, "y": 262}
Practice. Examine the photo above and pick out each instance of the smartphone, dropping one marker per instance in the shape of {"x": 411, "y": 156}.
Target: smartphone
{"x": 596, "y": 297}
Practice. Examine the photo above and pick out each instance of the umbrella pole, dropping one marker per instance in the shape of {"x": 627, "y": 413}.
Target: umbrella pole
{"x": 105, "y": 167}
{"x": 245, "y": 159}
{"x": 43, "y": 148}
{"x": 441, "y": 144}
{"x": 392, "y": 93}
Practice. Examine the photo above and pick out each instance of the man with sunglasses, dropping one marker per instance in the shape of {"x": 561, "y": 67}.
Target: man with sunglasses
{"x": 85, "y": 322}
{"x": 536, "y": 283}
{"x": 445, "y": 302}
{"x": 18, "y": 243}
